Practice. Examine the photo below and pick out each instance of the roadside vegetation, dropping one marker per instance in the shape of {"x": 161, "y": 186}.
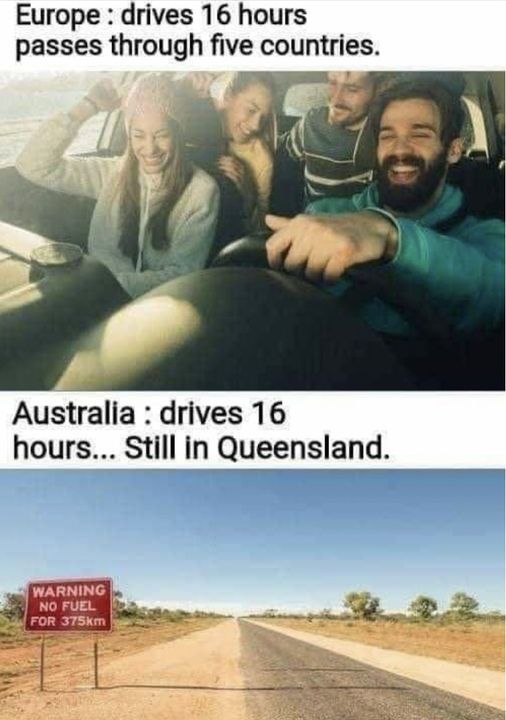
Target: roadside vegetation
{"x": 460, "y": 634}
{"x": 135, "y": 628}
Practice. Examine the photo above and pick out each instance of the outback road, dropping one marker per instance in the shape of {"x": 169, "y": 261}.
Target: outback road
{"x": 239, "y": 671}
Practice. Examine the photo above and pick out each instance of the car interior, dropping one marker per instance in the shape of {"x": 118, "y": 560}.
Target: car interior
{"x": 54, "y": 313}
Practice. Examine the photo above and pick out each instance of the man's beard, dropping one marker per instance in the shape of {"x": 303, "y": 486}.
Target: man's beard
{"x": 348, "y": 119}
{"x": 411, "y": 197}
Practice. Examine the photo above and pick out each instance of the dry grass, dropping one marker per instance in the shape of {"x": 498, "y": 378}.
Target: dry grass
{"x": 477, "y": 643}
{"x": 19, "y": 651}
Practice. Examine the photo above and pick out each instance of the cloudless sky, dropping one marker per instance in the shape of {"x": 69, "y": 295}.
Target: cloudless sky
{"x": 241, "y": 541}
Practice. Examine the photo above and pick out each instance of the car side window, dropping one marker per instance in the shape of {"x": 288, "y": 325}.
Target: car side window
{"x": 26, "y": 101}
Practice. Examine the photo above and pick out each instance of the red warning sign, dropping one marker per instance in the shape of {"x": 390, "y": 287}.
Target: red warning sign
{"x": 80, "y": 605}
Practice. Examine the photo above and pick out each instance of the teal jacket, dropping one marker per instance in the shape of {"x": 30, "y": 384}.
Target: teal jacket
{"x": 441, "y": 281}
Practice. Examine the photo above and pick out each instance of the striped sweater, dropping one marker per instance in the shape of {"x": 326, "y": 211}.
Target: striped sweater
{"x": 337, "y": 161}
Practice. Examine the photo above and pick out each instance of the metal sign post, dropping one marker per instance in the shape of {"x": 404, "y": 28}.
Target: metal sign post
{"x": 95, "y": 653}
{"x": 42, "y": 654}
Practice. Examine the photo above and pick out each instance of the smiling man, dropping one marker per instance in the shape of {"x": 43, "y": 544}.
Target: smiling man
{"x": 417, "y": 140}
{"x": 424, "y": 266}
{"x": 333, "y": 142}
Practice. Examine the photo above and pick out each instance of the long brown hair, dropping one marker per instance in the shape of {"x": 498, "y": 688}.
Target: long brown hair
{"x": 235, "y": 82}
{"x": 175, "y": 177}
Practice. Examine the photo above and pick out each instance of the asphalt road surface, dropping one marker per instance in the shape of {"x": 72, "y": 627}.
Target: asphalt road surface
{"x": 292, "y": 680}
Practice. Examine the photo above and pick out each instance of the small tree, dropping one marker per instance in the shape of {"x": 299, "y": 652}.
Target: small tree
{"x": 13, "y": 605}
{"x": 463, "y": 606}
{"x": 362, "y": 604}
{"x": 423, "y": 607}
{"x": 130, "y": 609}
{"x": 118, "y": 601}
{"x": 270, "y": 612}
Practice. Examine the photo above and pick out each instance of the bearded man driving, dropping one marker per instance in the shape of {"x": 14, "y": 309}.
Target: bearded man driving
{"x": 415, "y": 263}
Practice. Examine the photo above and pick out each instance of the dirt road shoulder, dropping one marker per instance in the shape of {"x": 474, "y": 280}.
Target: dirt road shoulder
{"x": 192, "y": 678}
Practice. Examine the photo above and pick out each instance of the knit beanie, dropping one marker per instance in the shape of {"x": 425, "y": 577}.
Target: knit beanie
{"x": 153, "y": 92}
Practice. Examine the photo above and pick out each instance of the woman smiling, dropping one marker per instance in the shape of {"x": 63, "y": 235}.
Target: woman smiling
{"x": 156, "y": 214}
{"x": 230, "y": 130}
{"x": 245, "y": 101}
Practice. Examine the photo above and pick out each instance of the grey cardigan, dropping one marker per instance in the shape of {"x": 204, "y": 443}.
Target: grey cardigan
{"x": 190, "y": 226}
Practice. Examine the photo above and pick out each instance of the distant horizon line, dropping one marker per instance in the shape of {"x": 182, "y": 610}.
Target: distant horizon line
{"x": 237, "y": 610}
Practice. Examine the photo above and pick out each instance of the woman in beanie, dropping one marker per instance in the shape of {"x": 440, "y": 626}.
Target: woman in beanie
{"x": 156, "y": 214}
